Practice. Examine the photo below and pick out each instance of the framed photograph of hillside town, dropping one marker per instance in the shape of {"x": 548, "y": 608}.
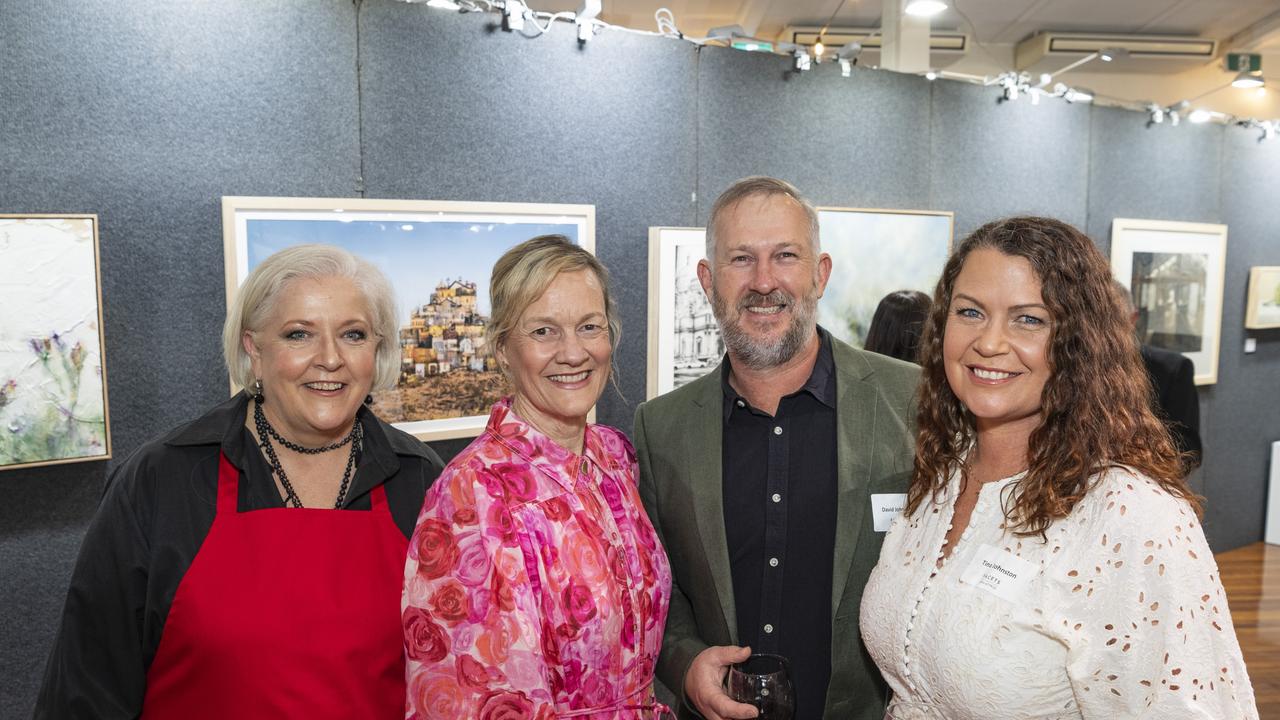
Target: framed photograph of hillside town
{"x": 1262, "y": 310}
{"x": 53, "y": 382}
{"x": 1174, "y": 271}
{"x": 874, "y": 253}
{"x": 684, "y": 340}
{"x": 439, "y": 257}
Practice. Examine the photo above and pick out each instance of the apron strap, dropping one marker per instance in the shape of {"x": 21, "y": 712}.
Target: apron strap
{"x": 228, "y": 486}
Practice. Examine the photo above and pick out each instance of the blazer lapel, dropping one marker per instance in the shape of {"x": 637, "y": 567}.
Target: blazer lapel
{"x": 855, "y": 430}
{"x": 703, "y": 433}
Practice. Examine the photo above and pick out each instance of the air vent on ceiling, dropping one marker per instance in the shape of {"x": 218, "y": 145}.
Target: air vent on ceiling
{"x": 1048, "y": 51}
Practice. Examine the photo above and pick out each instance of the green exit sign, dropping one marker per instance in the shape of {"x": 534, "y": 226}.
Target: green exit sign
{"x": 1246, "y": 62}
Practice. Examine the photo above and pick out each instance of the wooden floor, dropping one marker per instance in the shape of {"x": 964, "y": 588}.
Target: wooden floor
{"x": 1251, "y": 576}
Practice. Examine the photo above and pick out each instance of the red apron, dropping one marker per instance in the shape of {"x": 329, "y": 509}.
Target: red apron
{"x": 285, "y": 613}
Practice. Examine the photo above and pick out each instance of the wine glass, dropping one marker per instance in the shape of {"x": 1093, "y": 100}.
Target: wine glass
{"x": 913, "y": 710}
{"x": 764, "y": 681}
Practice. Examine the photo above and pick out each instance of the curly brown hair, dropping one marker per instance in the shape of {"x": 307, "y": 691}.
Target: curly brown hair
{"x": 1096, "y": 404}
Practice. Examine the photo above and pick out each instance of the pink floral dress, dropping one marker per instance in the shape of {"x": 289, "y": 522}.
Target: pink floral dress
{"x": 536, "y": 586}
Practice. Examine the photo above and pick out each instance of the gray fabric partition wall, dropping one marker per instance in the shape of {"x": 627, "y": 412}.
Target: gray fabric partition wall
{"x": 148, "y": 112}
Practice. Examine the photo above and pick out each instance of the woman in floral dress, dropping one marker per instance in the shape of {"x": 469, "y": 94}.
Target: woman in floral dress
{"x": 535, "y": 585}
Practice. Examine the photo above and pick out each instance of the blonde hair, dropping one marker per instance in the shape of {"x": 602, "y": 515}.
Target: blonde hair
{"x": 768, "y": 187}
{"x": 525, "y": 271}
{"x": 257, "y": 298}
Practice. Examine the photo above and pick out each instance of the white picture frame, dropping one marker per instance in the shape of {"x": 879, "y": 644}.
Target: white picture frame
{"x": 424, "y": 247}
{"x": 1174, "y": 272}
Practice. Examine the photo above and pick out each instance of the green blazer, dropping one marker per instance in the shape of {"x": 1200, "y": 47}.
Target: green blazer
{"x": 678, "y": 439}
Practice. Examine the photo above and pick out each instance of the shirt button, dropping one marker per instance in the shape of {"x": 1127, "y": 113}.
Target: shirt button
{"x": 906, "y": 660}
{"x": 777, "y": 429}
{"x": 768, "y": 629}
{"x": 773, "y": 562}
{"x": 741, "y": 404}
{"x": 777, "y": 497}
{"x": 906, "y": 671}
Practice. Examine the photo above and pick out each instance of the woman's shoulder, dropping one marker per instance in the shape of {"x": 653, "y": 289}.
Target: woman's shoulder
{"x": 1123, "y": 502}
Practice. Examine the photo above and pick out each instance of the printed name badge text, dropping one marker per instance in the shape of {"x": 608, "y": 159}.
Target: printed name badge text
{"x": 885, "y": 507}
{"x": 999, "y": 573}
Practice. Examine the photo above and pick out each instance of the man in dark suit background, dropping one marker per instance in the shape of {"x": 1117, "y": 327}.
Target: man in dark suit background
{"x": 1173, "y": 378}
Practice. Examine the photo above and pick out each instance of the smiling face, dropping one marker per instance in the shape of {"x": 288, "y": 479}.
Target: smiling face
{"x": 996, "y": 343}
{"x": 315, "y": 356}
{"x": 765, "y": 280}
{"x": 557, "y": 355}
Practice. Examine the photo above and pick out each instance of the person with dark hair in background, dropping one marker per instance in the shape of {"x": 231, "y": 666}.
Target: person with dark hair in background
{"x": 1050, "y": 561}
{"x": 248, "y": 564}
{"x": 1173, "y": 376}
{"x": 896, "y": 325}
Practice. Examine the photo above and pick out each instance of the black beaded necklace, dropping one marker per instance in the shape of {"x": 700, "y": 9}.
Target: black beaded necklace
{"x": 266, "y": 433}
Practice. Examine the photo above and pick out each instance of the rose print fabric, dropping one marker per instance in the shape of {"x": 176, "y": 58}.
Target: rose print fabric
{"x": 535, "y": 585}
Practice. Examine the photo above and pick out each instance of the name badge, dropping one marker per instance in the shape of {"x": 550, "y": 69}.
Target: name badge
{"x": 885, "y": 507}
{"x": 999, "y": 573}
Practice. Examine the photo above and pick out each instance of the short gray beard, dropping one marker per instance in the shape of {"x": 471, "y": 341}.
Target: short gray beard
{"x": 759, "y": 355}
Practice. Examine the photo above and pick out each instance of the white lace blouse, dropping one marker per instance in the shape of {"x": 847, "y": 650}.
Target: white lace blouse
{"x": 1120, "y": 614}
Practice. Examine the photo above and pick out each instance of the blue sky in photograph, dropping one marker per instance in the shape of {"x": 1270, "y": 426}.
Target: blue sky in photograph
{"x": 416, "y": 256}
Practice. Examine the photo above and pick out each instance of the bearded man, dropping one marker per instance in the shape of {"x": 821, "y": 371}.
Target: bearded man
{"x": 772, "y": 479}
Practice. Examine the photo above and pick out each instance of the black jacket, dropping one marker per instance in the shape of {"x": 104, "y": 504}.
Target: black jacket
{"x": 157, "y": 509}
{"x": 1177, "y": 402}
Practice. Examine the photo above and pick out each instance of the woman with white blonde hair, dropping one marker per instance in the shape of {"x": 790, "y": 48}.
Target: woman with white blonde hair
{"x": 248, "y": 564}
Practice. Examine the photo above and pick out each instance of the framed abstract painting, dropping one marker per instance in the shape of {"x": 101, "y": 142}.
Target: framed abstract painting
{"x": 53, "y": 382}
{"x": 438, "y": 257}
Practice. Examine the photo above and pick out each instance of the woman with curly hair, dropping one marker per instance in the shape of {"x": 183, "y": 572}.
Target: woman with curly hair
{"x": 1050, "y": 553}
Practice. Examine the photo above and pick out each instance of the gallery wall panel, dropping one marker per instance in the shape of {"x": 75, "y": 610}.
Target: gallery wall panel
{"x": 992, "y": 159}
{"x": 1156, "y": 172}
{"x": 1245, "y": 410}
{"x": 452, "y": 112}
{"x": 146, "y": 113}
{"x": 860, "y": 141}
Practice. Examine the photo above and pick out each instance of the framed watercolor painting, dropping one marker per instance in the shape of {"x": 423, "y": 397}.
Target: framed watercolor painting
{"x": 1174, "y": 271}
{"x": 438, "y": 256}
{"x": 1262, "y": 309}
{"x": 874, "y": 253}
{"x": 53, "y": 382}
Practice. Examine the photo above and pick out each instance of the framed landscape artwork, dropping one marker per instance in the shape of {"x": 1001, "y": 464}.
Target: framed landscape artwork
{"x": 1174, "y": 271}
{"x": 873, "y": 253}
{"x": 1262, "y": 310}
{"x": 438, "y": 257}
{"x": 53, "y": 384}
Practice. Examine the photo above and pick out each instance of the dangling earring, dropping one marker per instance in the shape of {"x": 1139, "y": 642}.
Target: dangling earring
{"x": 368, "y": 399}
{"x": 257, "y": 392}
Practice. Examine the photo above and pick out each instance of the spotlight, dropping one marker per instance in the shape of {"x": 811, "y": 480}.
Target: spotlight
{"x": 513, "y": 15}
{"x": 819, "y": 48}
{"x": 1200, "y": 116}
{"x": 1112, "y": 53}
{"x": 586, "y": 19}
{"x": 802, "y": 60}
{"x": 1155, "y": 115}
{"x": 931, "y": 75}
{"x": 1248, "y": 80}
{"x": 924, "y": 8}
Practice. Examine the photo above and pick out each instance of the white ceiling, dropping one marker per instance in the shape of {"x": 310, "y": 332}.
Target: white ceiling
{"x": 993, "y": 21}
